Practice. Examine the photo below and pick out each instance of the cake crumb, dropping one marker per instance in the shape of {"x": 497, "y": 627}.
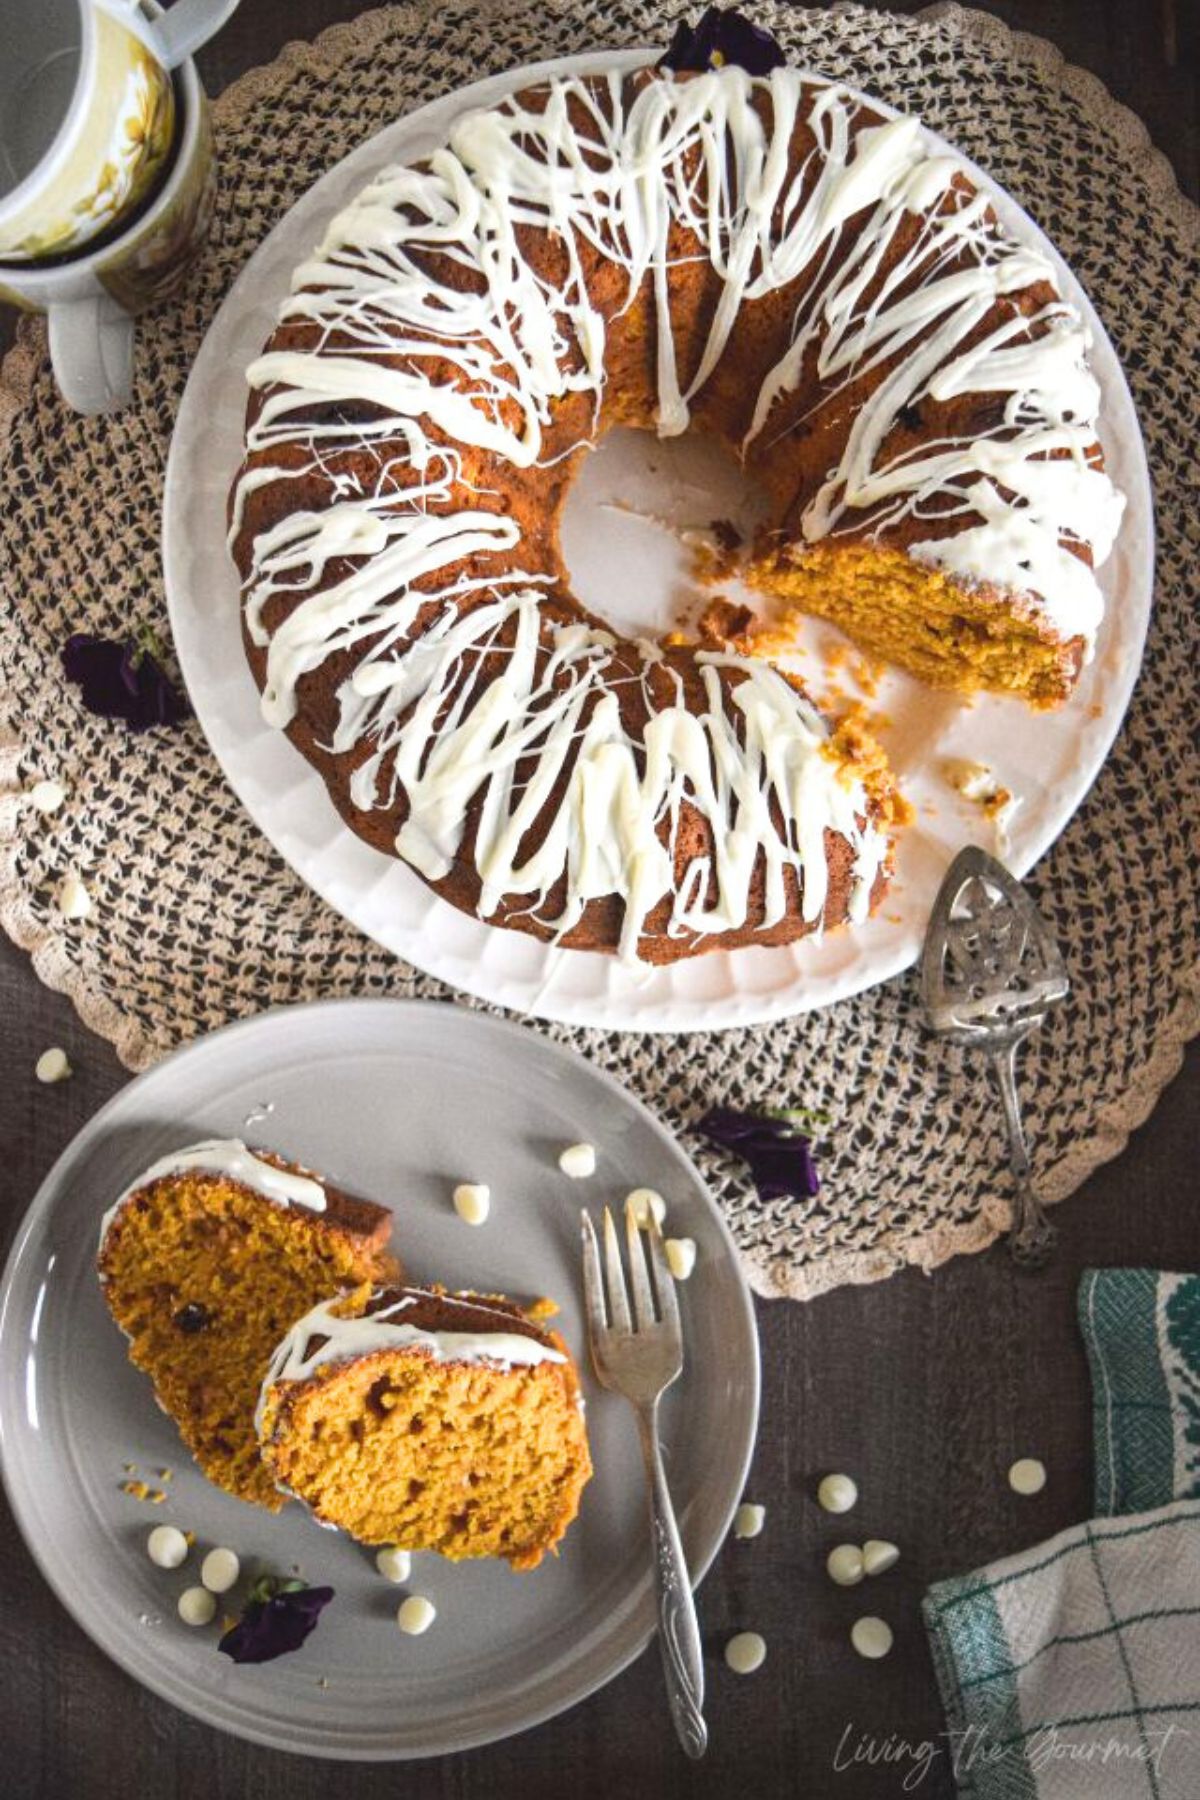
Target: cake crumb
{"x": 867, "y": 674}
{"x": 716, "y": 552}
{"x": 723, "y": 623}
{"x": 976, "y": 781}
{"x": 542, "y": 1308}
{"x": 138, "y": 1489}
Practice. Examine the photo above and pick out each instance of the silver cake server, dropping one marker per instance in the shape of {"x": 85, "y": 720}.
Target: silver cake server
{"x": 990, "y": 972}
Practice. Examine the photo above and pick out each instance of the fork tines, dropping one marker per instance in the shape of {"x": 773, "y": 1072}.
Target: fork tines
{"x": 647, "y": 1295}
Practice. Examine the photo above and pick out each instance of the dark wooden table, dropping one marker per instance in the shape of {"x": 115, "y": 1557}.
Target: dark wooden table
{"x": 926, "y": 1389}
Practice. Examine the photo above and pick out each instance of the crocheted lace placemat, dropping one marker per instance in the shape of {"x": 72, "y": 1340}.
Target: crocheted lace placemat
{"x": 196, "y": 920}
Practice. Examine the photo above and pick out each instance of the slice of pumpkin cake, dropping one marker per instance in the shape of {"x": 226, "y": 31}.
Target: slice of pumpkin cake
{"x": 431, "y": 1421}
{"x": 205, "y": 1261}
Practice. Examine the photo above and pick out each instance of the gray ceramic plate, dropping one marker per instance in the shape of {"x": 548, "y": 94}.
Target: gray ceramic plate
{"x": 398, "y": 1101}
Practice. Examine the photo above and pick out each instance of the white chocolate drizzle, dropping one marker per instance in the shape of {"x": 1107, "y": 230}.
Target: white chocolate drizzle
{"x": 228, "y": 1157}
{"x": 339, "y": 1339}
{"x": 495, "y": 687}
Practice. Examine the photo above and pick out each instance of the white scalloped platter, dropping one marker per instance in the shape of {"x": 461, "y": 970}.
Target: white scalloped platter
{"x": 618, "y": 542}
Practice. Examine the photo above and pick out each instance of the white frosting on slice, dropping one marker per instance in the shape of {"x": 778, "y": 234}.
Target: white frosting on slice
{"x": 345, "y": 1339}
{"x": 613, "y": 166}
{"x": 231, "y": 1158}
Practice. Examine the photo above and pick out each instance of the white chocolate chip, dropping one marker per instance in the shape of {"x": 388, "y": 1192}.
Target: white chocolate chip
{"x": 837, "y": 1493}
{"x": 748, "y": 1520}
{"x": 52, "y": 1065}
{"x": 416, "y": 1615}
{"x": 1028, "y": 1476}
{"x": 47, "y": 796}
{"x": 578, "y": 1161}
{"x": 197, "y": 1606}
{"x": 645, "y": 1204}
{"x": 879, "y": 1556}
{"x": 871, "y": 1637}
{"x": 681, "y": 1257}
{"x": 393, "y": 1564}
{"x": 74, "y": 901}
{"x": 219, "y": 1570}
{"x": 746, "y": 1652}
{"x": 472, "y": 1202}
{"x": 844, "y": 1564}
{"x": 167, "y": 1546}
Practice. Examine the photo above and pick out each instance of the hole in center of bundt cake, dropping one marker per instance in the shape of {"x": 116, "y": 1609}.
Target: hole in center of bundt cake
{"x": 639, "y": 511}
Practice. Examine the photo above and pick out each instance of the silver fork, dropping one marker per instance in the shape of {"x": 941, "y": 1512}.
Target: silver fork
{"x": 990, "y": 972}
{"x": 639, "y": 1361}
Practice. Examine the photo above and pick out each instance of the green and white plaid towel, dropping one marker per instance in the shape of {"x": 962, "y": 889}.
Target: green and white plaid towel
{"x": 1142, "y": 1332}
{"x": 1072, "y": 1671}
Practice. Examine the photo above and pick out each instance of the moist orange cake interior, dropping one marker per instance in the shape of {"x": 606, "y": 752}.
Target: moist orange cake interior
{"x": 426, "y": 1450}
{"x": 913, "y": 616}
{"x": 204, "y": 1276}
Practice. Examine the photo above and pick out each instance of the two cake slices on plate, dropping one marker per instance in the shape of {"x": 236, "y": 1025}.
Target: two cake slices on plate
{"x": 273, "y": 1321}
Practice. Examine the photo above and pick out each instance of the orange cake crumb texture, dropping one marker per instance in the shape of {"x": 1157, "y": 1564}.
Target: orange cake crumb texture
{"x": 205, "y": 1276}
{"x": 902, "y": 611}
{"x": 863, "y": 758}
{"x": 468, "y": 1459}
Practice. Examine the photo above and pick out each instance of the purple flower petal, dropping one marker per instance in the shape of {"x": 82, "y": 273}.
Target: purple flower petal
{"x": 721, "y": 38}
{"x": 779, "y": 1157}
{"x": 121, "y": 679}
{"x": 275, "y": 1626}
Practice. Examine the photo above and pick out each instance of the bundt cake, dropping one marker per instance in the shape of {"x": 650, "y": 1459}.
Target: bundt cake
{"x": 428, "y": 1420}
{"x": 773, "y": 262}
{"x": 205, "y": 1260}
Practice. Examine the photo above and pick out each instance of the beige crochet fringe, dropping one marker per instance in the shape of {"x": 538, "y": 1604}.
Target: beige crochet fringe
{"x": 197, "y": 921}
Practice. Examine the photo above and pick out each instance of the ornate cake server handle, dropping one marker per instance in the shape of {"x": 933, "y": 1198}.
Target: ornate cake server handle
{"x": 990, "y": 974}
{"x": 1031, "y": 1237}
